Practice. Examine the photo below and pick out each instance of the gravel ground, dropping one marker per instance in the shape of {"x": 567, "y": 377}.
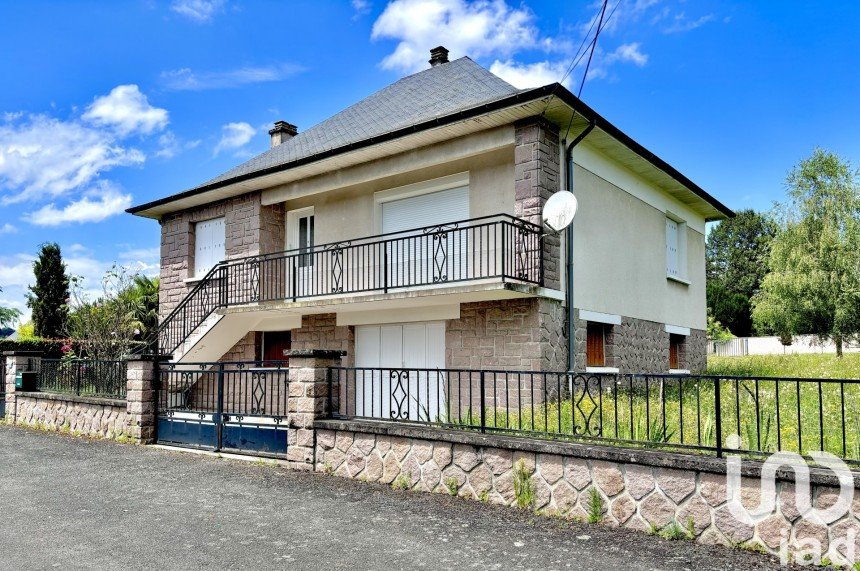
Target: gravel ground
{"x": 80, "y": 504}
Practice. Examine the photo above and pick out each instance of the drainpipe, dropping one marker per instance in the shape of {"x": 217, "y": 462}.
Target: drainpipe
{"x": 571, "y": 329}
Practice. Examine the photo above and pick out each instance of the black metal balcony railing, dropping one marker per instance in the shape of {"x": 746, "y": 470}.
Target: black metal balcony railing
{"x": 492, "y": 247}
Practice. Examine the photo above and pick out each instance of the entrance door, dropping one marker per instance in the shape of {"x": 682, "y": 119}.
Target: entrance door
{"x": 276, "y": 344}
{"x": 400, "y": 372}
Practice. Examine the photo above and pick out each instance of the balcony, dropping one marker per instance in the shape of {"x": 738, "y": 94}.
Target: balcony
{"x": 491, "y": 249}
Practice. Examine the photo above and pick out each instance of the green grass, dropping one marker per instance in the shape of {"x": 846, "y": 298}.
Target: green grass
{"x": 807, "y": 366}
{"x": 685, "y": 413}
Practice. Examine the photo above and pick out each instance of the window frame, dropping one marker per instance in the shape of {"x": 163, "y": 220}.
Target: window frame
{"x": 199, "y": 272}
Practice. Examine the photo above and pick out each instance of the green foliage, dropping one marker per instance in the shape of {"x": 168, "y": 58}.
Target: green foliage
{"x": 736, "y": 252}
{"x": 402, "y": 482}
{"x": 140, "y": 298}
{"x": 109, "y": 327}
{"x": 595, "y": 506}
{"x": 452, "y": 485}
{"x": 50, "y": 348}
{"x": 820, "y": 366}
{"x": 813, "y": 284}
{"x": 675, "y": 532}
{"x": 8, "y": 315}
{"x": 716, "y": 331}
{"x": 27, "y": 331}
{"x": 49, "y": 296}
{"x": 524, "y": 487}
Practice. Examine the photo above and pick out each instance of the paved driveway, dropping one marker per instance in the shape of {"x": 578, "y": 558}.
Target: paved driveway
{"x": 79, "y": 504}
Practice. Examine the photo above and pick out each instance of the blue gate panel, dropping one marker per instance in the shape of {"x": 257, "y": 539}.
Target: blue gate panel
{"x": 267, "y": 439}
{"x": 2, "y": 406}
{"x": 193, "y": 433}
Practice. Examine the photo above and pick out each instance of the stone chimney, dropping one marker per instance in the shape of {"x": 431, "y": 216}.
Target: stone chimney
{"x": 282, "y": 132}
{"x": 438, "y": 56}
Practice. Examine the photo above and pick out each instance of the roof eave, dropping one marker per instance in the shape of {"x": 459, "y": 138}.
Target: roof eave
{"x": 553, "y": 89}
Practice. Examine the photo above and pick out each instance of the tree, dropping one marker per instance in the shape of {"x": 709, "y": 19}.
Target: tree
{"x": 737, "y": 251}
{"x": 813, "y": 282}
{"x": 109, "y": 327}
{"x": 49, "y": 297}
{"x": 8, "y": 315}
{"x": 141, "y": 298}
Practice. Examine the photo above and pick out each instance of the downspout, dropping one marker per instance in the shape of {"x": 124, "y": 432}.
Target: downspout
{"x": 571, "y": 329}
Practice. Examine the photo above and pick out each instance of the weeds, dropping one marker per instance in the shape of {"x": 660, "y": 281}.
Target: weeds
{"x": 595, "y": 506}
{"x": 452, "y": 485}
{"x": 402, "y": 482}
{"x": 524, "y": 487}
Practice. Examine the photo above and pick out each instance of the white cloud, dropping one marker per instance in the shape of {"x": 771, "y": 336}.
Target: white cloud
{"x": 186, "y": 79}
{"x": 16, "y": 271}
{"x": 234, "y": 136}
{"x": 169, "y": 145}
{"x": 680, "y": 23}
{"x": 629, "y": 53}
{"x": 8, "y": 229}
{"x": 530, "y": 75}
{"x": 476, "y": 29}
{"x": 361, "y": 7}
{"x": 41, "y": 155}
{"x": 127, "y": 110}
{"x": 97, "y": 204}
{"x": 143, "y": 260}
{"x": 200, "y": 11}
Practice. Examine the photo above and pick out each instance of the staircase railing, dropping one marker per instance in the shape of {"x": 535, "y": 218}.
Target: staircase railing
{"x": 492, "y": 247}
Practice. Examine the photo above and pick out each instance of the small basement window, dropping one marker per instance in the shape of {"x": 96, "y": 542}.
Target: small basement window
{"x": 595, "y": 346}
{"x": 676, "y": 343}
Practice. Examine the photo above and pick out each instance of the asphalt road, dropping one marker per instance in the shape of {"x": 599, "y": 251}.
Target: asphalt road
{"x": 73, "y": 503}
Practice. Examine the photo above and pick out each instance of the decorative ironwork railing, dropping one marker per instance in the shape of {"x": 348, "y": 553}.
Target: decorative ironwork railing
{"x": 701, "y": 413}
{"x": 493, "y": 247}
{"x": 83, "y": 377}
{"x": 239, "y": 388}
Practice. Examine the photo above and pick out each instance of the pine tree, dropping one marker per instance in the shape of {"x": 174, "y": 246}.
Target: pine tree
{"x": 49, "y": 297}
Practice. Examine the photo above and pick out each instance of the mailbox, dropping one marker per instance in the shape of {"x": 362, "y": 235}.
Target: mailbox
{"x": 26, "y": 381}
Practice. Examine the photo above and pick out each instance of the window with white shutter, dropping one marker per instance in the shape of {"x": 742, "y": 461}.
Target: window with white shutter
{"x": 676, "y": 250}
{"x": 208, "y": 245}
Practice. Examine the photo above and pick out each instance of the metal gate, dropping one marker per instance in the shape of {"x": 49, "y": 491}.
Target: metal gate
{"x": 236, "y": 406}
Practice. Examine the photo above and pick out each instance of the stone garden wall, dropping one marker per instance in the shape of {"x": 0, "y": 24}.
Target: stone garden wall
{"x": 645, "y": 491}
{"x": 100, "y": 418}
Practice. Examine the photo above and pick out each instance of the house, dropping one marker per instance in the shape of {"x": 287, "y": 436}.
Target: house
{"x": 406, "y": 231}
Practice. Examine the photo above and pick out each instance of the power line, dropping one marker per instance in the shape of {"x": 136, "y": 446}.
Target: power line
{"x": 593, "y": 45}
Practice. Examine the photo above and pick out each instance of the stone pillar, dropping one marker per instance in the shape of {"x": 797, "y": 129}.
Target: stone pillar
{"x": 308, "y": 401}
{"x": 536, "y": 178}
{"x": 141, "y": 378}
{"x": 18, "y": 361}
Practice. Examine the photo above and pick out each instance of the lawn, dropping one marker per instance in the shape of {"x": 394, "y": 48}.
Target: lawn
{"x": 805, "y": 366}
{"x": 789, "y": 415}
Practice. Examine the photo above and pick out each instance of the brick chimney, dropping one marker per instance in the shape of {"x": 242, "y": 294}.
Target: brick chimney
{"x": 438, "y": 56}
{"x": 282, "y": 132}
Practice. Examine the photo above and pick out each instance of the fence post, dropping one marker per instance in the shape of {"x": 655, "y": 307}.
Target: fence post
{"x": 18, "y": 361}
{"x": 483, "y": 404}
{"x": 219, "y": 412}
{"x": 141, "y": 384}
{"x": 311, "y": 389}
{"x": 718, "y": 418}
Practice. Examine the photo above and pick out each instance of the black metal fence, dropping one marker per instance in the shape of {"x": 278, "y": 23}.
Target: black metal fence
{"x": 500, "y": 247}
{"x": 703, "y": 413}
{"x": 83, "y": 377}
{"x": 233, "y": 388}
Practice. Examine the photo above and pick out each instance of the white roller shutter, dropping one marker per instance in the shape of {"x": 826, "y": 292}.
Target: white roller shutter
{"x": 425, "y": 210}
{"x": 208, "y": 245}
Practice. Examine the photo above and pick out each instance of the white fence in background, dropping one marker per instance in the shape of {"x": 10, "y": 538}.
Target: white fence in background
{"x": 801, "y": 345}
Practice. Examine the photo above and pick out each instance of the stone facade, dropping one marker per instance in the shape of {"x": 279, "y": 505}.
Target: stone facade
{"x": 641, "y": 346}
{"x": 100, "y": 418}
{"x": 321, "y": 331}
{"x": 635, "y": 496}
{"x": 521, "y": 334}
{"x": 536, "y": 178}
{"x": 249, "y": 348}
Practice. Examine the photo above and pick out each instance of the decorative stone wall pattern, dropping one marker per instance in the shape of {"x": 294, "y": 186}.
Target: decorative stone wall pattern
{"x": 249, "y": 348}
{"x": 519, "y": 334}
{"x": 634, "y": 496}
{"x": 536, "y": 178}
{"x": 89, "y": 418}
{"x": 322, "y": 332}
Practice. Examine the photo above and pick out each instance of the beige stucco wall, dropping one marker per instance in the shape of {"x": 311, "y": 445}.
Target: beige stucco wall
{"x": 345, "y": 209}
{"x": 620, "y": 251}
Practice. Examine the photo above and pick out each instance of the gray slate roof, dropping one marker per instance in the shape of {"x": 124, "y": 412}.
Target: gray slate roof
{"x": 431, "y": 93}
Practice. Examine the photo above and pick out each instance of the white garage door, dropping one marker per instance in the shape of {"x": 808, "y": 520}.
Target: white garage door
{"x": 391, "y": 391}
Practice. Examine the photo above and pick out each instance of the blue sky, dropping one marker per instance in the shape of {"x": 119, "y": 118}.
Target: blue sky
{"x": 108, "y": 104}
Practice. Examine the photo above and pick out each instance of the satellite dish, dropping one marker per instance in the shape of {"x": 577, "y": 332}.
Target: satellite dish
{"x": 559, "y": 210}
